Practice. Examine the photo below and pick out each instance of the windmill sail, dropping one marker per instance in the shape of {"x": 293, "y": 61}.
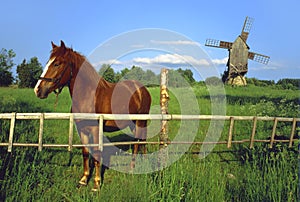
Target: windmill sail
{"x": 259, "y": 57}
{"x": 218, "y": 43}
{"x": 246, "y": 28}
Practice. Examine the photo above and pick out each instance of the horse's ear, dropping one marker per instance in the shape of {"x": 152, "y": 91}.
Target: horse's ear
{"x": 62, "y": 44}
{"x": 53, "y": 45}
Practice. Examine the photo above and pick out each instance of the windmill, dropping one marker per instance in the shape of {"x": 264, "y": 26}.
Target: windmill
{"x": 237, "y": 65}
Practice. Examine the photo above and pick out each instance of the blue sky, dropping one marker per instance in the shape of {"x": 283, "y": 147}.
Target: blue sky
{"x": 28, "y": 27}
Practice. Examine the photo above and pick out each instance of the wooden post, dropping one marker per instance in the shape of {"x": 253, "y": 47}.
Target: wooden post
{"x": 71, "y": 128}
{"x": 230, "y": 132}
{"x": 101, "y": 133}
{"x": 292, "y": 132}
{"x": 253, "y": 132}
{"x": 11, "y": 131}
{"x": 41, "y": 132}
{"x": 164, "y": 98}
{"x": 273, "y": 133}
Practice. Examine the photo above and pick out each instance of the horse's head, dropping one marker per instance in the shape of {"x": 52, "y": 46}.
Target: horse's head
{"x": 57, "y": 73}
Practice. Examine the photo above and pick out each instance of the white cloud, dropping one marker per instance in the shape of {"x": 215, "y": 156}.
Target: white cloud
{"x": 271, "y": 66}
{"x": 164, "y": 59}
{"x": 172, "y": 59}
{"x": 110, "y": 62}
{"x": 142, "y": 60}
{"x": 178, "y": 42}
{"x": 113, "y": 61}
{"x": 220, "y": 61}
{"x": 137, "y": 46}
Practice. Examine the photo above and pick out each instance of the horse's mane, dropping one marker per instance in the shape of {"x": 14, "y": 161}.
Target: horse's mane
{"x": 79, "y": 61}
{"x": 71, "y": 55}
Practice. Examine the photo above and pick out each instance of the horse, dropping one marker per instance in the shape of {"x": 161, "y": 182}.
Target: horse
{"x": 91, "y": 93}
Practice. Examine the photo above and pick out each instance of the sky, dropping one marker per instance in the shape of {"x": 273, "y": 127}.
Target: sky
{"x": 28, "y": 27}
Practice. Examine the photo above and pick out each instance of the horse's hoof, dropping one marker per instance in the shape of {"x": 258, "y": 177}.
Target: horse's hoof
{"x": 96, "y": 188}
{"x": 80, "y": 184}
{"x": 132, "y": 165}
{"x": 83, "y": 181}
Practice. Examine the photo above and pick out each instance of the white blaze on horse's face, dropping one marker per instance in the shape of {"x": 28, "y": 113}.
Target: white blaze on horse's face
{"x": 42, "y": 75}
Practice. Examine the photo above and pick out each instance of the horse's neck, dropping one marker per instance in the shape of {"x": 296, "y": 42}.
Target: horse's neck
{"x": 83, "y": 87}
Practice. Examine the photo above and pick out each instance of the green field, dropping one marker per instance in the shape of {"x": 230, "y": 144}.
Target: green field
{"x": 235, "y": 174}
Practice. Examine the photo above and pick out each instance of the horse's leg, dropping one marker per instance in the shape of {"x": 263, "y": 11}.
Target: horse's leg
{"x": 96, "y": 158}
{"x": 134, "y": 153}
{"x": 140, "y": 133}
{"x": 85, "y": 155}
{"x": 142, "y": 125}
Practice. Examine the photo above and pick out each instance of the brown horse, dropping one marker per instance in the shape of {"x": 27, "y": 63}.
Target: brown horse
{"x": 92, "y": 94}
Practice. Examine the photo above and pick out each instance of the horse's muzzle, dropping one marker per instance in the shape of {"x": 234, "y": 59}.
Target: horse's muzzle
{"x": 41, "y": 93}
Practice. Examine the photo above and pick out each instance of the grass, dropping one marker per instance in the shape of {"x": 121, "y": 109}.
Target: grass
{"x": 236, "y": 174}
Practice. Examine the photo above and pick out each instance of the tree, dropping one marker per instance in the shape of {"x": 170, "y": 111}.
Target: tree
{"x": 187, "y": 74}
{"x": 150, "y": 78}
{"x": 6, "y": 63}
{"x": 175, "y": 79}
{"x": 28, "y": 73}
{"x": 213, "y": 81}
{"x": 107, "y": 73}
{"x": 118, "y": 77}
{"x": 289, "y": 83}
{"x": 135, "y": 73}
{"x": 124, "y": 73}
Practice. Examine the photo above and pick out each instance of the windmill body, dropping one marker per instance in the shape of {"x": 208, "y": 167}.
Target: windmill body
{"x": 237, "y": 65}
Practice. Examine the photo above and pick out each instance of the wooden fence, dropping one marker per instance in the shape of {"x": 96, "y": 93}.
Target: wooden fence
{"x": 166, "y": 117}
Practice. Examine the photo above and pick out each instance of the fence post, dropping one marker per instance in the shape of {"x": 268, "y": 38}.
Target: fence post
{"x": 11, "y": 131}
{"x": 230, "y": 132}
{"x": 273, "y": 133}
{"x": 101, "y": 119}
{"x": 41, "y": 132}
{"x": 164, "y": 98}
{"x": 292, "y": 132}
{"x": 71, "y": 128}
{"x": 253, "y": 132}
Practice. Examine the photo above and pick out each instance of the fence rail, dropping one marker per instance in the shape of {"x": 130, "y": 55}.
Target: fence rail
{"x": 168, "y": 117}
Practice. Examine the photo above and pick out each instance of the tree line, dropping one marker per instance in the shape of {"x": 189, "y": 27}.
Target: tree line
{"x": 177, "y": 78}
{"x": 286, "y": 83}
{"x": 28, "y": 73}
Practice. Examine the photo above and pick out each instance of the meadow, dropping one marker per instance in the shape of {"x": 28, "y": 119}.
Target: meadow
{"x": 235, "y": 174}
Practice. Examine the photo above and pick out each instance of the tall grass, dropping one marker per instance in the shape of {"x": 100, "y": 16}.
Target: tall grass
{"x": 236, "y": 174}
{"x": 269, "y": 175}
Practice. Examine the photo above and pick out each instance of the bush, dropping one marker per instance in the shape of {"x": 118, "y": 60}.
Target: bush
{"x": 292, "y": 84}
{"x": 214, "y": 81}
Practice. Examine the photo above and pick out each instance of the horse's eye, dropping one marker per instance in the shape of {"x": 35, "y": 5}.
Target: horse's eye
{"x": 56, "y": 65}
